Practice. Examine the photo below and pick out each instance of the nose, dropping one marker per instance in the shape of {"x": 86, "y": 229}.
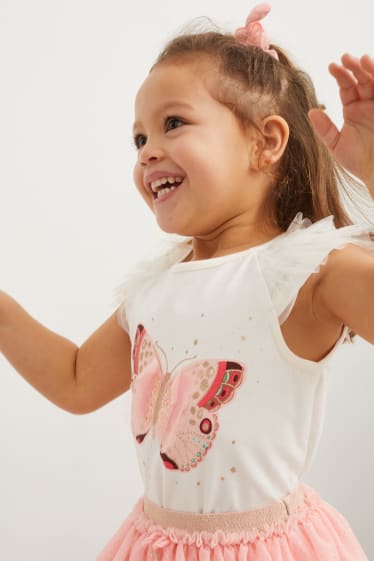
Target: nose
{"x": 150, "y": 153}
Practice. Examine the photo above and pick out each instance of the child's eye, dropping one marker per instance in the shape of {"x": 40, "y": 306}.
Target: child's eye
{"x": 173, "y": 120}
{"x": 139, "y": 140}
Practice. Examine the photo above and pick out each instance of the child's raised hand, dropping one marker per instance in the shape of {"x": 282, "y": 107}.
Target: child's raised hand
{"x": 353, "y": 145}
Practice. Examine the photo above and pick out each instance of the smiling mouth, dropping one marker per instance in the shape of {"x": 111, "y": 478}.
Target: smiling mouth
{"x": 166, "y": 188}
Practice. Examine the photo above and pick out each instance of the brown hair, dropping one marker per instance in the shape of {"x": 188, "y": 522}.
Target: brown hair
{"x": 254, "y": 84}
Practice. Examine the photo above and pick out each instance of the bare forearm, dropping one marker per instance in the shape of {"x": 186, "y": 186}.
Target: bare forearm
{"x": 45, "y": 359}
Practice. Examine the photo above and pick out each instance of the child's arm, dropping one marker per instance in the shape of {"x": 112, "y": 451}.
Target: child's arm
{"x": 344, "y": 295}
{"x": 353, "y": 145}
{"x": 78, "y": 380}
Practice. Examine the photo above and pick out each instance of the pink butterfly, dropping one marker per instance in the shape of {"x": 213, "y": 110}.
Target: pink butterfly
{"x": 181, "y": 410}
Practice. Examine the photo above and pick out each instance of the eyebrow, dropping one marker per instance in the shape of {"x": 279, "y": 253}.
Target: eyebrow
{"x": 168, "y": 104}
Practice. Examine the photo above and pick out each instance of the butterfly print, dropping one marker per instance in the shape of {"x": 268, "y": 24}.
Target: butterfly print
{"x": 180, "y": 410}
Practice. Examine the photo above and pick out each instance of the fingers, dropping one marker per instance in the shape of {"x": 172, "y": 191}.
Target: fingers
{"x": 368, "y": 64}
{"x": 324, "y": 128}
{"x": 365, "y": 78}
{"x": 346, "y": 83}
{"x": 355, "y": 77}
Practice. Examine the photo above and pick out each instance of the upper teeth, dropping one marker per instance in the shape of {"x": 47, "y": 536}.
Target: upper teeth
{"x": 163, "y": 180}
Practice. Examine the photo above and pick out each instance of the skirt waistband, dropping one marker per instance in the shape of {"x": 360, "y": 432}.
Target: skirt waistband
{"x": 226, "y": 521}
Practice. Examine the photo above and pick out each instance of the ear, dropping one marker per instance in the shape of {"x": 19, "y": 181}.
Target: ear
{"x": 272, "y": 144}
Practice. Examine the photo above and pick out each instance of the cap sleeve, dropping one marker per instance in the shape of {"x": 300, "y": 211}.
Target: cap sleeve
{"x": 287, "y": 263}
{"x": 168, "y": 252}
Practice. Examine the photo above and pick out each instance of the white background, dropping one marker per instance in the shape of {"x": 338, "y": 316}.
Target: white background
{"x": 71, "y": 226}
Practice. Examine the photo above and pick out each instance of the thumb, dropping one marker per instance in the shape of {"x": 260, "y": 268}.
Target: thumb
{"x": 324, "y": 128}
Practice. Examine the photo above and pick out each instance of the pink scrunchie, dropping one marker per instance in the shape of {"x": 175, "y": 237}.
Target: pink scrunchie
{"x": 253, "y": 33}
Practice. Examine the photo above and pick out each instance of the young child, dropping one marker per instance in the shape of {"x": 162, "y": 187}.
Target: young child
{"x": 226, "y": 339}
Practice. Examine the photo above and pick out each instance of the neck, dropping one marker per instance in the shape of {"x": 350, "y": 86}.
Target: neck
{"x": 230, "y": 241}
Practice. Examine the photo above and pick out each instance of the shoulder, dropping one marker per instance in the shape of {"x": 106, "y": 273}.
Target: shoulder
{"x": 344, "y": 291}
{"x": 350, "y": 260}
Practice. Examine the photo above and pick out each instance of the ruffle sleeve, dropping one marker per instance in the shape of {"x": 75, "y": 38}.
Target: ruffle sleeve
{"x": 168, "y": 252}
{"x": 288, "y": 261}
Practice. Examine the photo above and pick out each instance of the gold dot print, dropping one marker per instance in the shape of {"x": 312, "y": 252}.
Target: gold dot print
{"x": 204, "y": 385}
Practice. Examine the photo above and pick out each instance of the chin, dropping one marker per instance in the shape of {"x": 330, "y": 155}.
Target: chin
{"x": 170, "y": 227}
{"x": 173, "y": 230}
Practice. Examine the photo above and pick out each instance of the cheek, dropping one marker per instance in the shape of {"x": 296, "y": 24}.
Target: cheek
{"x": 195, "y": 161}
{"x": 137, "y": 176}
{"x": 138, "y": 179}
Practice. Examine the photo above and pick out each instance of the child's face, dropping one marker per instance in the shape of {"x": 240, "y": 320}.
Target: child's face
{"x": 182, "y": 131}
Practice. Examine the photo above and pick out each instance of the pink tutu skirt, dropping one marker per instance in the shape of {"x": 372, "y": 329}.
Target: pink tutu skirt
{"x": 302, "y": 527}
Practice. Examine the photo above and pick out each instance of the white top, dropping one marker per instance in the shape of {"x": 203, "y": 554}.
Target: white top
{"x": 225, "y": 416}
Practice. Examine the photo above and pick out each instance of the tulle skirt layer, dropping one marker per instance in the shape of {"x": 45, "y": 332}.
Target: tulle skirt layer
{"x": 316, "y": 531}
